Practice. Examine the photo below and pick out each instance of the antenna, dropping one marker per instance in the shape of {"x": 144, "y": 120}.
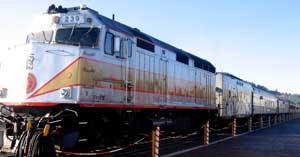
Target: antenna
{"x": 113, "y": 17}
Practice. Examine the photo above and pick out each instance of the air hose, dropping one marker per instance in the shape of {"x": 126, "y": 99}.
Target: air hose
{"x": 41, "y": 146}
{"x": 34, "y": 144}
{"x": 23, "y": 144}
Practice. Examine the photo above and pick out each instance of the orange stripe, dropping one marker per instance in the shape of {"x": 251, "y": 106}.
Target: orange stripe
{"x": 123, "y": 89}
{"x": 33, "y": 95}
{"x": 38, "y": 92}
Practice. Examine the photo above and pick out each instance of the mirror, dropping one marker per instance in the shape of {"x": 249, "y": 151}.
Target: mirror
{"x": 117, "y": 44}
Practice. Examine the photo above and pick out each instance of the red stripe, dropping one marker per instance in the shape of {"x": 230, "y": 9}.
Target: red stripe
{"x": 38, "y": 104}
{"x": 135, "y": 106}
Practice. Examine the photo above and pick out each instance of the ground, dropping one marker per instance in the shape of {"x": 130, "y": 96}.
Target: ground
{"x": 282, "y": 140}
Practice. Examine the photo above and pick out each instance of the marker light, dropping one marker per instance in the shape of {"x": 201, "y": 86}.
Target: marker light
{"x": 55, "y": 19}
{"x": 89, "y": 20}
{"x": 3, "y": 92}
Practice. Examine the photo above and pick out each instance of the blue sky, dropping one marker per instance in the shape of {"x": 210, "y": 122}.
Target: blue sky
{"x": 253, "y": 39}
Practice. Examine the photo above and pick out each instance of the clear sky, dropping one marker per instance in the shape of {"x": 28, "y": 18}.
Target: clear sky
{"x": 256, "y": 40}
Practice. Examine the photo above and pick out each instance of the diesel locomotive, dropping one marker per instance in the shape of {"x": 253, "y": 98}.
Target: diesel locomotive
{"x": 86, "y": 82}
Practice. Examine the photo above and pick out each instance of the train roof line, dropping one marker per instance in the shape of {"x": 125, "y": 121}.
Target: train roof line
{"x": 226, "y": 73}
{"x": 115, "y": 25}
{"x": 251, "y": 83}
{"x": 137, "y": 33}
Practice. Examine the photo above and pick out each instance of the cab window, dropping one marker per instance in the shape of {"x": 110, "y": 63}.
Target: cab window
{"x": 78, "y": 36}
{"x": 109, "y": 43}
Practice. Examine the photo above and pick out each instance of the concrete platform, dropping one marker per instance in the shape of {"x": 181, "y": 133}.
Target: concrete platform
{"x": 282, "y": 140}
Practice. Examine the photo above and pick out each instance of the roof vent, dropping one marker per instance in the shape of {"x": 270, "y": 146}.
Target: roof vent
{"x": 53, "y": 9}
{"x": 83, "y": 7}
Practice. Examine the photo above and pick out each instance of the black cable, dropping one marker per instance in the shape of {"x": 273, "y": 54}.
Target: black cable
{"x": 41, "y": 146}
{"x": 33, "y": 140}
{"x": 21, "y": 145}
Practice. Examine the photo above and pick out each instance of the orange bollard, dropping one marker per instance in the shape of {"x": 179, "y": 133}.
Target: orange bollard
{"x": 206, "y": 133}
{"x": 250, "y": 124}
{"x": 261, "y": 122}
{"x": 155, "y": 141}
{"x": 233, "y": 127}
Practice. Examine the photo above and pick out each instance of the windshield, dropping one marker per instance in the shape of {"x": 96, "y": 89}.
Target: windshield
{"x": 78, "y": 36}
{"x": 42, "y": 37}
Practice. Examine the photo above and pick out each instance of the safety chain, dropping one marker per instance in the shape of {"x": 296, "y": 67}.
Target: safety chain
{"x": 105, "y": 152}
{"x": 181, "y": 136}
{"x": 222, "y": 129}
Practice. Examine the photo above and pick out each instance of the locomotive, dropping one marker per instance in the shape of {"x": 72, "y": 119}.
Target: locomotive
{"x": 87, "y": 82}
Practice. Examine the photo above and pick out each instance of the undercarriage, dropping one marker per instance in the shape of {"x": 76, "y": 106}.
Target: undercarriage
{"x": 37, "y": 131}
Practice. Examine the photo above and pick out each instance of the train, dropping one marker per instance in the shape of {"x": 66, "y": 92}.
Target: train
{"x": 240, "y": 98}
{"x": 87, "y": 82}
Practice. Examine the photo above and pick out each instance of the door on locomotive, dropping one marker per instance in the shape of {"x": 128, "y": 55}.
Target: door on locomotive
{"x": 116, "y": 74}
{"x": 123, "y": 49}
{"x": 163, "y": 65}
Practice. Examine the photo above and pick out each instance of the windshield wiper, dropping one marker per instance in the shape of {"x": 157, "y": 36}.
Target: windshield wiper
{"x": 89, "y": 31}
{"x": 72, "y": 32}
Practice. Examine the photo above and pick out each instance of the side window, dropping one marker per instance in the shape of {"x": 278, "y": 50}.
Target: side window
{"x": 109, "y": 43}
{"x": 129, "y": 48}
{"x": 125, "y": 48}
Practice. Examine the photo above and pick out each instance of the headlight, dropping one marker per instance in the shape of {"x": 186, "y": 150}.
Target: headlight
{"x": 3, "y": 92}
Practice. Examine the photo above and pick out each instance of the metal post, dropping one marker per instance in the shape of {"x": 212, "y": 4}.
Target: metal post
{"x": 250, "y": 124}
{"x": 294, "y": 115}
{"x": 233, "y": 127}
{"x": 286, "y": 117}
{"x": 269, "y": 121}
{"x": 155, "y": 141}
{"x": 261, "y": 122}
{"x": 280, "y": 118}
{"x": 206, "y": 133}
{"x": 275, "y": 119}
